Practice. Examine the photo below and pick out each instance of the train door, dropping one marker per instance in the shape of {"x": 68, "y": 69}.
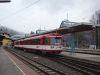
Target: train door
{"x": 45, "y": 44}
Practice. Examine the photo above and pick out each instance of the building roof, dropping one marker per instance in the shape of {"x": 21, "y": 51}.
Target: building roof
{"x": 67, "y": 23}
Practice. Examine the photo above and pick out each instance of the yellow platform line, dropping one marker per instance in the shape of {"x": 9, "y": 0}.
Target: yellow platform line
{"x": 14, "y": 63}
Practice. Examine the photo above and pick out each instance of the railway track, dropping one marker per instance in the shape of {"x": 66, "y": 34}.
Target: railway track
{"x": 39, "y": 67}
{"x": 86, "y": 67}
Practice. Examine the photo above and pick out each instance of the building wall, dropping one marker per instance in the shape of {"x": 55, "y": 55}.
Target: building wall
{"x": 6, "y": 42}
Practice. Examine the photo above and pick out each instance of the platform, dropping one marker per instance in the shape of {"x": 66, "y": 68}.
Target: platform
{"x": 6, "y": 65}
{"x": 95, "y": 58}
{"x": 10, "y": 65}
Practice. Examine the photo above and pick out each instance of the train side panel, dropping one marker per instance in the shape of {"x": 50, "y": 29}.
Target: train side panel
{"x": 47, "y": 43}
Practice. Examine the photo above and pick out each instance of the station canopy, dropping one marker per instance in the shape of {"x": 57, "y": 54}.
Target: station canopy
{"x": 75, "y": 28}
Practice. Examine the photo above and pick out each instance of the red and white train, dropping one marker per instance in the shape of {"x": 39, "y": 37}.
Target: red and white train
{"x": 45, "y": 43}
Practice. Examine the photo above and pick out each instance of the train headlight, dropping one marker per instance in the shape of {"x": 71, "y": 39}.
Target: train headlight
{"x": 52, "y": 46}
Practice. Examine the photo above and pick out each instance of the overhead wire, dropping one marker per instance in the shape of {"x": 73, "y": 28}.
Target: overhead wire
{"x": 13, "y": 14}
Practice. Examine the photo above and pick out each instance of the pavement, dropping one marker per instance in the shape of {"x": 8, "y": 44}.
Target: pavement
{"x": 6, "y": 65}
{"x": 10, "y": 65}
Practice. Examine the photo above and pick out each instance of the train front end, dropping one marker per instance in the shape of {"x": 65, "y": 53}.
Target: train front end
{"x": 55, "y": 44}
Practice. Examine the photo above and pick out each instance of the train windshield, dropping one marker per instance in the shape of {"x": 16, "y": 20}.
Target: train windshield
{"x": 56, "y": 40}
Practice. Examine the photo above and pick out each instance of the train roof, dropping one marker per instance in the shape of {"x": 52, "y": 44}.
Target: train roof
{"x": 40, "y": 36}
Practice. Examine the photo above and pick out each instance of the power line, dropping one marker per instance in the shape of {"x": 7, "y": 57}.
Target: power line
{"x": 13, "y": 14}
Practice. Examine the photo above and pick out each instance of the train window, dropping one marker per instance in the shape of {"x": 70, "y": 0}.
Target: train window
{"x": 33, "y": 41}
{"x": 36, "y": 41}
{"x": 46, "y": 41}
{"x": 56, "y": 40}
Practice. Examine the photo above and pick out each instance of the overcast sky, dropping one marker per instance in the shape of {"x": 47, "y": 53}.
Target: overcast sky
{"x": 30, "y": 15}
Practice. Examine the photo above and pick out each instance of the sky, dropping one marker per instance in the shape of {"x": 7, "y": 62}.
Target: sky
{"x": 30, "y": 15}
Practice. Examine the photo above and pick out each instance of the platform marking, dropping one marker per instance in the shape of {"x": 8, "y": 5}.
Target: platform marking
{"x": 14, "y": 63}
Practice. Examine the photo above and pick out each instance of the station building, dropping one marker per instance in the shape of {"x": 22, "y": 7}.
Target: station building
{"x": 79, "y": 35}
{"x": 5, "y": 39}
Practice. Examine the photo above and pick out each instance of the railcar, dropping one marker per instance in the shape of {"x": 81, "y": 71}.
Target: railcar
{"x": 45, "y": 43}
